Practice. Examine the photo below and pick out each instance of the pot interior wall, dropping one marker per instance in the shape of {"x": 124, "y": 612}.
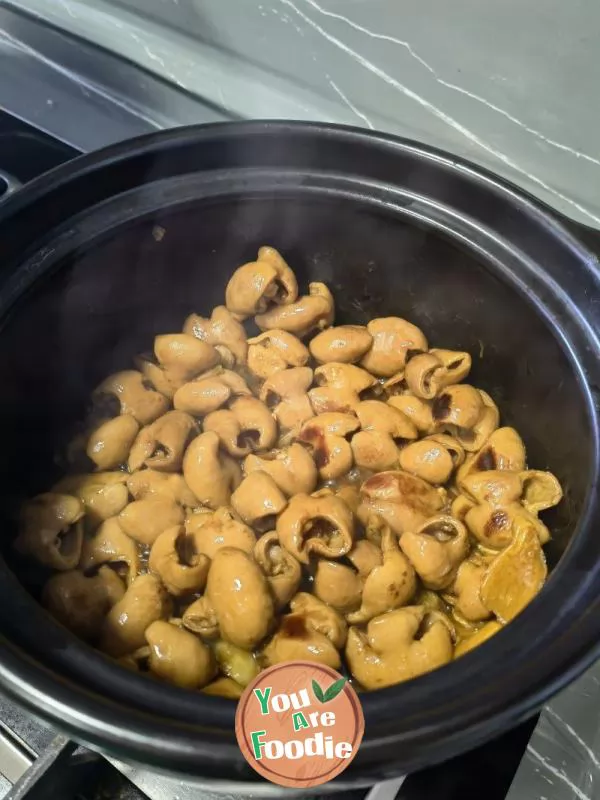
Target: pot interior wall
{"x": 107, "y": 301}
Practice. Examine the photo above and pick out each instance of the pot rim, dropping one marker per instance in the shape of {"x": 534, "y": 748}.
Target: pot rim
{"x": 104, "y": 722}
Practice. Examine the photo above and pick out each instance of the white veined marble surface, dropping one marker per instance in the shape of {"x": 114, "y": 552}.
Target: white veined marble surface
{"x": 511, "y": 85}
{"x": 562, "y": 761}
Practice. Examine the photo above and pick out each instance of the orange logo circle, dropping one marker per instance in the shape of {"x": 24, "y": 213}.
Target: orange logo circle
{"x": 299, "y": 724}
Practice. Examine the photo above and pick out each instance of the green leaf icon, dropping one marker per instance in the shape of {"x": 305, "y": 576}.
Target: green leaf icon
{"x": 334, "y": 690}
{"x": 329, "y": 694}
{"x": 318, "y": 692}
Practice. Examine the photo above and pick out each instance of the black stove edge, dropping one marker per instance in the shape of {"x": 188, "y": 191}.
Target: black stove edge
{"x": 81, "y": 94}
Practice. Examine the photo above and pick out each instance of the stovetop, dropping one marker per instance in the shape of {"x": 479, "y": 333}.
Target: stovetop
{"x": 39, "y": 763}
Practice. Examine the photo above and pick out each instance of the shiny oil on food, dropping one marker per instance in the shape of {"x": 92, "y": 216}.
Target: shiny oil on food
{"x": 329, "y": 493}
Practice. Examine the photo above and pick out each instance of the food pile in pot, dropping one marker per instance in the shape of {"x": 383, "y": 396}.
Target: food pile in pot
{"x": 336, "y": 494}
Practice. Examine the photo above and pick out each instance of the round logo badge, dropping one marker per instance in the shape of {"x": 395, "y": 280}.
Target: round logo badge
{"x": 299, "y": 724}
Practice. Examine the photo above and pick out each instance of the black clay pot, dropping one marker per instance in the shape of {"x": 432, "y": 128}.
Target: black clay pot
{"x": 394, "y": 229}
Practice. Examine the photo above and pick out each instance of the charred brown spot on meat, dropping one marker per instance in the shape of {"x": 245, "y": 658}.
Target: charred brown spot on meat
{"x": 185, "y": 547}
{"x": 272, "y": 399}
{"x": 486, "y": 460}
{"x": 497, "y": 522}
{"x": 294, "y": 625}
{"x": 441, "y": 406}
{"x": 379, "y": 481}
{"x": 315, "y": 438}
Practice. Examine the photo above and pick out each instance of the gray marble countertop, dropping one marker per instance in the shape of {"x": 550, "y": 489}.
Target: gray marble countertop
{"x": 562, "y": 760}
{"x": 477, "y": 79}
{"x": 510, "y": 85}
